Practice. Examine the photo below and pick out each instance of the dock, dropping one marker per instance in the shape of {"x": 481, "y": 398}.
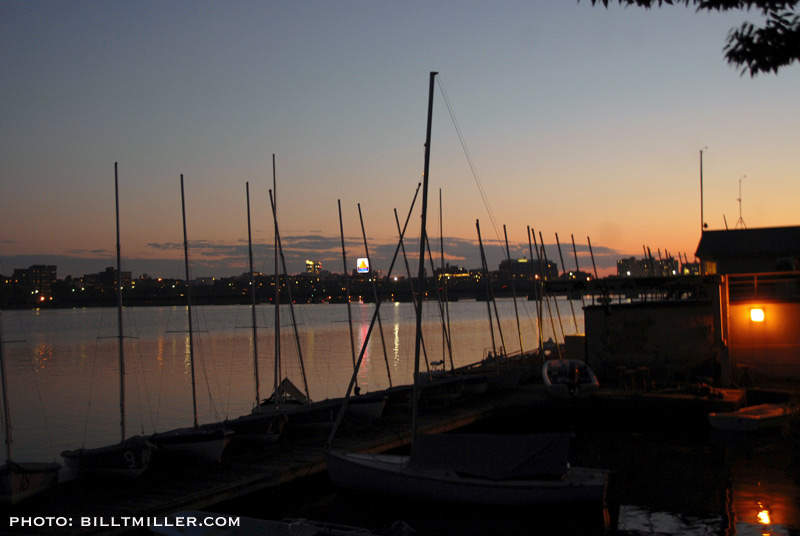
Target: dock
{"x": 247, "y": 468}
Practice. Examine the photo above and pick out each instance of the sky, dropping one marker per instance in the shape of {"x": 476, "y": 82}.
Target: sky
{"x": 555, "y": 115}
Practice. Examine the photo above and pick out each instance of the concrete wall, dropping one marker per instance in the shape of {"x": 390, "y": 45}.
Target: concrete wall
{"x": 674, "y": 340}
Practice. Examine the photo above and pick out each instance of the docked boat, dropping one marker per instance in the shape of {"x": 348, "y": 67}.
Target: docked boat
{"x": 753, "y": 418}
{"x": 475, "y": 469}
{"x": 132, "y": 455}
{"x": 195, "y": 444}
{"x": 529, "y": 469}
{"x": 127, "y": 459}
{"x": 569, "y": 378}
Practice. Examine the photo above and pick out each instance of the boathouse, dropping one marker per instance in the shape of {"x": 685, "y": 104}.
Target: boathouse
{"x": 756, "y": 295}
{"x": 739, "y": 327}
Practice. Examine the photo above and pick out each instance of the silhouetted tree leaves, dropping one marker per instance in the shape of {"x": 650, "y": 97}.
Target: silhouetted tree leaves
{"x": 757, "y": 49}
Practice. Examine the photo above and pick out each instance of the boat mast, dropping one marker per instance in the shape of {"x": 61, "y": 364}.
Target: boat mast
{"x": 253, "y": 303}
{"x": 513, "y": 290}
{"x": 189, "y": 305}
{"x": 119, "y": 315}
{"x": 375, "y": 295}
{"x": 6, "y": 411}
{"x": 290, "y": 299}
{"x": 569, "y": 293}
{"x": 347, "y": 289}
{"x": 277, "y": 394}
{"x": 422, "y": 241}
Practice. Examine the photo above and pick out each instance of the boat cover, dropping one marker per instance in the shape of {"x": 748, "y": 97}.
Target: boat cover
{"x": 496, "y": 457}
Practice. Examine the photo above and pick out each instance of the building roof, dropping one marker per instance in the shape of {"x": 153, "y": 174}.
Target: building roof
{"x": 738, "y": 243}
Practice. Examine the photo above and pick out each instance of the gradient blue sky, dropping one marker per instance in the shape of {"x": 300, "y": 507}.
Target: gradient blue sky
{"x": 579, "y": 120}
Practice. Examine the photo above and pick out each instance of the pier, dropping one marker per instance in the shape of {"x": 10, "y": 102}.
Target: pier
{"x": 248, "y": 468}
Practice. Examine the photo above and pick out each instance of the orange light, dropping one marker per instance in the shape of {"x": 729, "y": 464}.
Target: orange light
{"x": 757, "y": 315}
{"x": 763, "y": 517}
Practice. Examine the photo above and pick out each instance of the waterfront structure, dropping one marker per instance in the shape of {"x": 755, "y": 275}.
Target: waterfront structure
{"x": 754, "y": 279}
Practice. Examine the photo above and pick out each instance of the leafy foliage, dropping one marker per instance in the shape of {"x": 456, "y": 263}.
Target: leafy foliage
{"x": 757, "y": 49}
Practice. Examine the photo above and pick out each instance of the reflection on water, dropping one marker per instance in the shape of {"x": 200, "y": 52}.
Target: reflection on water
{"x": 64, "y": 394}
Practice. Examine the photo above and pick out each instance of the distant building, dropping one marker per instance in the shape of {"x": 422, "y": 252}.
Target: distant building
{"x": 38, "y": 278}
{"x": 647, "y": 267}
{"x": 313, "y": 267}
{"x": 524, "y": 267}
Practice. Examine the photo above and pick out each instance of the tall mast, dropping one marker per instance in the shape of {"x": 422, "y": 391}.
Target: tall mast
{"x": 253, "y": 303}
{"x": 119, "y": 315}
{"x": 347, "y": 289}
{"x": 277, "y": 299}
{"x": 422, "y": 241}
{"x": 6, "y": 410}
{"x": 375, "y": 295}
{"x": 189, "y": 305}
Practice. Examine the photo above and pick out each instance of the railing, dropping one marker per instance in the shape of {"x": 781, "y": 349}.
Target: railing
{"x": 764, "y": 286}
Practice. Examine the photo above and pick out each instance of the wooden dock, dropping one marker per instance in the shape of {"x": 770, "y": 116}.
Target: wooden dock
{"x": 245, "y": 468}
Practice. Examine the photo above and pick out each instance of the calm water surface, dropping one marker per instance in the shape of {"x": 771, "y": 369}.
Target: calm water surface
{"x": 64, "y": 393}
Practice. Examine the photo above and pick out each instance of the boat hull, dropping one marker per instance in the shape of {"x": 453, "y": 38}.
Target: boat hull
{"x": 392, "y": 475}
{"x": 194, "y": 445}
{"x": 752, "y": 418}
{"x": 127, "y": 459}
{"x": 20, "y": 481}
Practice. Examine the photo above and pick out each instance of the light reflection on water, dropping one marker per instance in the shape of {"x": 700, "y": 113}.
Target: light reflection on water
{"x": 64, "y": 394}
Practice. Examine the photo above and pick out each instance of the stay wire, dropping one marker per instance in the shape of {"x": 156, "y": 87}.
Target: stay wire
{"x": 471, "y": 164}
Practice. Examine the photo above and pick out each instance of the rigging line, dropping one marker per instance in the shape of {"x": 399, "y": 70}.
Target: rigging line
{"x": 469, "y": 159}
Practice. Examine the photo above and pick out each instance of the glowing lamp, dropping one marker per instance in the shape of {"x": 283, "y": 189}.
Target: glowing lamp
{"x": 757, "y": 315}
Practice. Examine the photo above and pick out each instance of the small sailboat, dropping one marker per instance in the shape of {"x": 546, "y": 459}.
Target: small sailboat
{"x": 753, "y": 418}
{"x": 20, "y": 480}
{"x": 131, "y": 456}
{"x": 268, "y": 427}
{"x": 201, "y": 444}
{"x": 470, "y": 468}
{"x": 569, "y": 378}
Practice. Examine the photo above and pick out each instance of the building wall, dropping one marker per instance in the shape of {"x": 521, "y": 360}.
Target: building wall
{"x": 673, "y": 340}
{"x": 768, "y": 350}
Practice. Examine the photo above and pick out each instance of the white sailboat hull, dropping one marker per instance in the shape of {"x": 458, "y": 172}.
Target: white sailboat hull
{"x": 19, "y": 481}
{"x": 392, "y": 474}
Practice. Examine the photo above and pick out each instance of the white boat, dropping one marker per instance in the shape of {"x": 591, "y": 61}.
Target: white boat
{"x": 752, "y": 418}
{"x": 131, "y": 456}
{"x": 569, "y": 378}
{"x": 475, "y": 469}
{"x": 468, "y": 468}
{"x": 20, "y": 480}
{"x": 195, "y": 444}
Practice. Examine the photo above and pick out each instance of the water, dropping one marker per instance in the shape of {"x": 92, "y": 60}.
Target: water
{"x": 63, "y": 365}
{"x": 63, "y": 383}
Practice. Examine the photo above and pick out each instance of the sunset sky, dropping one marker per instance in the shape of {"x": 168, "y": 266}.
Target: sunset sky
{"x": 578, "y": 120}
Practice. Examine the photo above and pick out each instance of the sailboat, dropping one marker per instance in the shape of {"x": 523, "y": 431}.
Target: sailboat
{"x": 469, "y": 468}
{"x": 20, "y": 480}
{"x": 263, "y": 427}
{"x": 203, "y": 444}
{"x": 130, "y": 457}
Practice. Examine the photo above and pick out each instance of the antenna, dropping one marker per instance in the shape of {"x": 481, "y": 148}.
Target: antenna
{"x": 740, "y": 221}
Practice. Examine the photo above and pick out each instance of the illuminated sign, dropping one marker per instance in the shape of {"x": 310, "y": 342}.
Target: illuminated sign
{"x": 362, "y": 266}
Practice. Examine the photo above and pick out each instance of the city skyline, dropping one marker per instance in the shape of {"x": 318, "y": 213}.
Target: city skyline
{"x": 577, "y": 120}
